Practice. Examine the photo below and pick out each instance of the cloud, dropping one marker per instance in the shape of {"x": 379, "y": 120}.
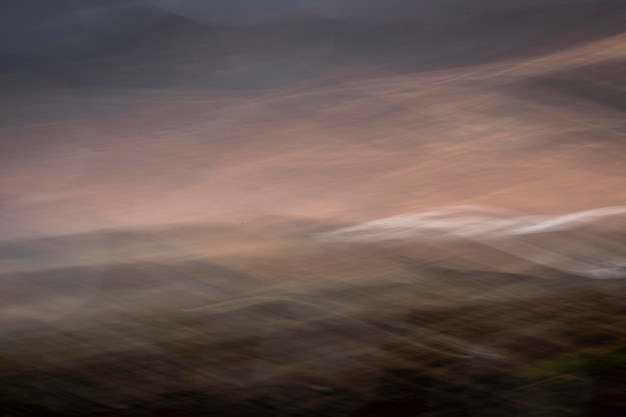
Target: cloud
{"x": 503, "y": 230}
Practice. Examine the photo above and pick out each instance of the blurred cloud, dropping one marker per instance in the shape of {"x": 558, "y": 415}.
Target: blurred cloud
{"x": 40, "y": 24}
{"x": 353, "y": 11}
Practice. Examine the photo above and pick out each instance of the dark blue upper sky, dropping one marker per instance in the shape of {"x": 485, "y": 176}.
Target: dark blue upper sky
{"x": 356, "y": 11}
{"x": 36, "y": 24}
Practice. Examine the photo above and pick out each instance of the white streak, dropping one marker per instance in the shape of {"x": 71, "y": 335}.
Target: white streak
{"x": 498, "y": 228}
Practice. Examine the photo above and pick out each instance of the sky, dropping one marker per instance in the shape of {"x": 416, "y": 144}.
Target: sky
{"x": 39, "y": 24}
{"x": 78, "y": 154}
{"x": 353, "y": 11}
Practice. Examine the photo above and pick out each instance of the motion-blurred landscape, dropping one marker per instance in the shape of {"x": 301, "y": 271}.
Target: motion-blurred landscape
{"x": 314, "y": 216}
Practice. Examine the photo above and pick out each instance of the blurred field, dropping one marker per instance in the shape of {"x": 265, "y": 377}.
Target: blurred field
{"x": 162, "y": 204}
{"x": 299, "y": 327}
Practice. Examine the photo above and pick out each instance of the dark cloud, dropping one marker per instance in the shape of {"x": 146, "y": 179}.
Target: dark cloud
{"x": 40, "y": 24}
{"x": 354, "y": 11}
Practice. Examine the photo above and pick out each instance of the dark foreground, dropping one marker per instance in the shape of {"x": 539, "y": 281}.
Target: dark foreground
{"x": 302, "y": 328}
